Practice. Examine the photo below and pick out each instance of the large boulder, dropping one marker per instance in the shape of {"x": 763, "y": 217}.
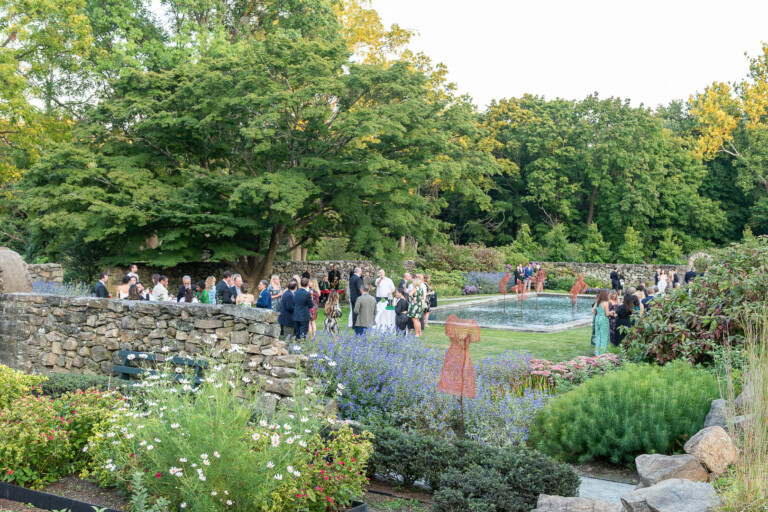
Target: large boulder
{"x": 655, "y": 468}
{"x": 560, "y": 504}
{"x": 14, "y": 275}
{"x": 714, "y": 448}
{"x": 718, "y": 415}
{"x": 675, "y": 495}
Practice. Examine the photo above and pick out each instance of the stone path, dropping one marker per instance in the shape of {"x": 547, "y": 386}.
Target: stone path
{"x": 603, "y": 489}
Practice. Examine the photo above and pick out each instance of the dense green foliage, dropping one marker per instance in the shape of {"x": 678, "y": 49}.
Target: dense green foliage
{"x": 57, "y": 384}
{"x": 15, "y": 384}
{"x": 694, "y": 322}
{"x": 457, "y": 470}
{"x": 625, "y": 413}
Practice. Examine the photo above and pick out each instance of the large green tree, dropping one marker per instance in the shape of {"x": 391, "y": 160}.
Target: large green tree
{"x": 260, "y": 136}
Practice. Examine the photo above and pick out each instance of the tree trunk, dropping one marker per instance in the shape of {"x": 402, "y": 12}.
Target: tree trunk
{"x": 252, "y": 268}
{"x": 303, "y": 254}
{"x": 402, "y": 243}
{"x": 592, "y": 205}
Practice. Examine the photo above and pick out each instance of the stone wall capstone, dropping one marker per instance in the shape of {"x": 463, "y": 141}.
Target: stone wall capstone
{"x": 633, "y": 274}
{"x": 48, "y": 333}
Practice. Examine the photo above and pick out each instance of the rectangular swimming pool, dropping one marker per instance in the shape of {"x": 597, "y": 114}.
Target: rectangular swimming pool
{"x": 548, "y": 313}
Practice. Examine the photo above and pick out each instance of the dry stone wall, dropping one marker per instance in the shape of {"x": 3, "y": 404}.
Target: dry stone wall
{"x": 633, "y": 274}
{"x": 47, "y": 333}
{"x": 46, "y": 272}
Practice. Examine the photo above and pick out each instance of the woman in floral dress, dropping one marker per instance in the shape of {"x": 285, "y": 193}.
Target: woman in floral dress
{"x": 314, "y": 290}
{"x": 613, "y": 306}
{"x": 275, "y": 291}
{"x": 416, "y": 305}
{"x": 332, "y": 312}
{"x": 602, "y": 328}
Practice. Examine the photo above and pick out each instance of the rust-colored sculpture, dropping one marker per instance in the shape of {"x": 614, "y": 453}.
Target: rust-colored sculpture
{"x": 538, "y": 280}
{"x": 503, "y": 283}
{"x": 458, "y": 376}
{"x": 578, "y": 288}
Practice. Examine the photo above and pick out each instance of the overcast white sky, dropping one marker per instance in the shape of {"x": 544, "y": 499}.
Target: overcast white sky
{"x": 650, "y": 51}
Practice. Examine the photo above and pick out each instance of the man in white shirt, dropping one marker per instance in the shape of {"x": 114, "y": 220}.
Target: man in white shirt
{"x": 385, "y": 288}
{"x": 160, "y": 291}
{"x": 134, "y": 272}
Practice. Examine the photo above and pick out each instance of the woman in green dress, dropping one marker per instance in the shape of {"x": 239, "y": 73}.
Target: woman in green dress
{"x": 416, "y": 305}
{"x": 602, "y": 325}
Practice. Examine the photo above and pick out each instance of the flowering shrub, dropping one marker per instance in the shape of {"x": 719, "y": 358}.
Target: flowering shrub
{"x": 576, "y": 371}
{"x": 462, "y": 258}
{"x": 15, "y": 384}
{"x": 41, "y": 438}
{"x": 469, "y": 290}
{"x": 625, "y": 413}
{"x": 695, "y": 321}
{"x": 71, "y": 289}
{"x": 34, "y": 443}
{"x": 391, "y": 379}
{"x": 200, "y": 450}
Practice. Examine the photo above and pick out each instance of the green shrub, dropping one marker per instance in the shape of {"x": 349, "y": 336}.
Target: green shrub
{"x": 507, "y": 479}
{"x": 462, "y": 258}
{"x": 34, "y": 442}
{"x": 622, "y": 414}
{"x": 693, "y": 321}
{"x": 15, "y": 384}
{"x": 58, "y": 384}
{"x": 446, "y": 283}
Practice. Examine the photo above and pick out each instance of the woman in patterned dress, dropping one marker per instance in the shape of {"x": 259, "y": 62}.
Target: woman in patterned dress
{"x": 275, "y": 291}
{"x": 314, "y": 290}
{"x": 416, "y": 305}
{"x": 332, "y": 313}
{"x": 613, "y": 306}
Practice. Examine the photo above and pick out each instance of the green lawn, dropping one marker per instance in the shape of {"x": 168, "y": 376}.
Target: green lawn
{"x": 560, "y": 346}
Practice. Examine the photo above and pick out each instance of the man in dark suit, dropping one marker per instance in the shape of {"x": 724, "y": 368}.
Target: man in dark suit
{"x": 355, "y": 290}
{"x": 690, "y": 275}
{"x": 334, "y": 276}
{"x": 302, "y": 303}
{"x": 224, "y": 289}
{"x": 615, "y": 279}
{"x": 187, "y": 284}
{"x": 307, "y": 273}
{"x": 287, "y": 325}
{"x": 101, "y": 286}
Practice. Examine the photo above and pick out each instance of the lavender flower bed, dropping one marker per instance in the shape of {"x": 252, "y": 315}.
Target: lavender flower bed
{"x": 484, "y": 282}
{"x": 71, "y": 289}
{"x": 392, "y": 379}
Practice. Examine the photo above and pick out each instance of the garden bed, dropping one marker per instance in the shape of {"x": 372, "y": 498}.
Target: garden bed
{"x": 70, "y": 493}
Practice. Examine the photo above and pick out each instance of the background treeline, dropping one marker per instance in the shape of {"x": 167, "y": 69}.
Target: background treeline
{"x": 243, "y": 132}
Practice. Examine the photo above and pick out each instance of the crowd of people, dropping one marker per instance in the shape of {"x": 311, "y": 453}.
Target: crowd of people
{"x": 617, "y": 308}
{"x": 297, "y": 303}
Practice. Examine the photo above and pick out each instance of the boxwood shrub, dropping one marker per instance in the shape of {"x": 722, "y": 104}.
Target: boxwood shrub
{"x": 466, "y": 475}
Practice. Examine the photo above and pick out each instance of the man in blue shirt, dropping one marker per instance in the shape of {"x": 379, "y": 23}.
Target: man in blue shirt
{"x": 265, "y": 298}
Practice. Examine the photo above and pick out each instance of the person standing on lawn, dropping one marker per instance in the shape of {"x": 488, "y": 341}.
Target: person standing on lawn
{"x": 302, "y": 305}
{"x": 365, "y": 310}
{"x": 602, "y": 325}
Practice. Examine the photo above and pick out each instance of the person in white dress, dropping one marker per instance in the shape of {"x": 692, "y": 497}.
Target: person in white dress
{"x": 662, "y": 282}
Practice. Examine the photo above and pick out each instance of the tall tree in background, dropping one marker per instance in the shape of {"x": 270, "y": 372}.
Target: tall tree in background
{"x": 733, "y": 120}
{"x": 260, "y": 134}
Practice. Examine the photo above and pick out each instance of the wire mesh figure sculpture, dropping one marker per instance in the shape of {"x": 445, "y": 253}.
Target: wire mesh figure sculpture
{"x": 458, "y": 376}
{"x": 578, "y": 288}
{"x": 538, "y": 283}
{"x": 503, "y": 288}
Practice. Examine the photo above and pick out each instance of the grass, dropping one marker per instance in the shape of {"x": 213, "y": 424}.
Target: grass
{"x": 559, "y": 346}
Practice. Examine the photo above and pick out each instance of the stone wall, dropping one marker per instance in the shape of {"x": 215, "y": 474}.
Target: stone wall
{"x": 46, "y": 272}
{"x": 633, "y": 274}
{"x": 47, "y": 333}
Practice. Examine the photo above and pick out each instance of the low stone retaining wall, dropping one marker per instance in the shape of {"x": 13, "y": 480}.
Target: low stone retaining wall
{"x": 633, "y": 274}
{"x": 48, "y": 333}
{"x": 46, "y": 272}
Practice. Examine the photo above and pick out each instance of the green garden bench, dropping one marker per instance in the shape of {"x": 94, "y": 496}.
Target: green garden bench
{"x": 125, "y": 370}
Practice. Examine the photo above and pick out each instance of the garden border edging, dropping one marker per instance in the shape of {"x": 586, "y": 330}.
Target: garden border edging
{"x": 47, "y": 501}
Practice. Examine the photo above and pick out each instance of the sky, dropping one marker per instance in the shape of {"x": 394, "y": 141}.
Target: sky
{"x": 649, "y": 51}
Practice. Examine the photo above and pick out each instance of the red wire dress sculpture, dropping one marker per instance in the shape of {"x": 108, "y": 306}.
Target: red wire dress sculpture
{"x": 458, "y": 376}
{"x": 503, "y": 283}
{"x": 538, "y": 280}
{"x": 578, "y": 287}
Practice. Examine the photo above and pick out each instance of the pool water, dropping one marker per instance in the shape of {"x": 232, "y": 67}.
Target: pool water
{"x": 546, "y": 313}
